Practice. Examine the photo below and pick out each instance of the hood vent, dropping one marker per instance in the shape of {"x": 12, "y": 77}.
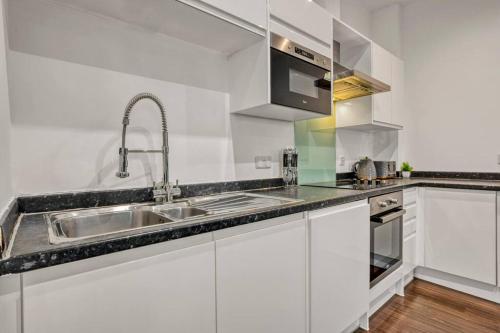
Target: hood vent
{"x": 351, "y": 83}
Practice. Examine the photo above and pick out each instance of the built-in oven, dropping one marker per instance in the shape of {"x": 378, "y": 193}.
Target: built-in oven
{"x": 300, "y": 77}
{"x": 386, "y": 235}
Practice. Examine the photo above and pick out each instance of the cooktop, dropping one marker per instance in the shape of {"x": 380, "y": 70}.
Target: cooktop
{"x": 355, "y": 184}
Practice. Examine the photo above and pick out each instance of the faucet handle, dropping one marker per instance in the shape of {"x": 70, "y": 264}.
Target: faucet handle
{"x": 176, "y": 190}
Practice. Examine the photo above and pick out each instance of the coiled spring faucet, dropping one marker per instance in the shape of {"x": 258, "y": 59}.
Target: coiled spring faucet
{"x": 163, "y": 191}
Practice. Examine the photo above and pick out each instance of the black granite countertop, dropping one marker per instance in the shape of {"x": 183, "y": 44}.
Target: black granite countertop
{"x": 30, "y": 248}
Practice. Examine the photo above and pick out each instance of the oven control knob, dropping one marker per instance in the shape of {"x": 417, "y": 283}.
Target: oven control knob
{"x": 393, "y": 201}
{"x": 383, "y": 204}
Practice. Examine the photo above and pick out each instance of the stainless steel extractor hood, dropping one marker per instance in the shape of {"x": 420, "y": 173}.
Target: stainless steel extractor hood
{"x": 351, "y": 83}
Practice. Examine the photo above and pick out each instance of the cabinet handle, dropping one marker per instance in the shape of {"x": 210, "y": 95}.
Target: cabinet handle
{"x": 389, "y": 217}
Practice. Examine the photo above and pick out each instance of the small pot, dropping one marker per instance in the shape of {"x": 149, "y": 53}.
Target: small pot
{"x": 406, "y": 174}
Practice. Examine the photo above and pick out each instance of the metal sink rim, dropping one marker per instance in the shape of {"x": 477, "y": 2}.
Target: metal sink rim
{"x": 157, "y": 208}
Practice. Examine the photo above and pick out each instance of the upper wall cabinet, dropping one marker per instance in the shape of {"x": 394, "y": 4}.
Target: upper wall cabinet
{"x": 220, "y": 25}
{"x": 382, "y": 111}
{"x": 306, "y": 16}
{"x": 254, "y": 12}
{"x": 283, "y": 77}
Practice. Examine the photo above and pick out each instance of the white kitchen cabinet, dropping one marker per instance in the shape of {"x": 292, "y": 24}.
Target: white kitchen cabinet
{"x": 410, "y": 228}
{"x": 498, "y": 239}
{"x": 340, "y": 262}
{"x": 382, "y": 111}
{"x": 306, "y": 16}
{"x": 381, "y": 64}
{"x": 382, "y": 107}
{"x": 460, "y": 233}
{"x": 173, "y": 291}
{"x": 382, "y": 70}
{"x": 397, "y": 91}
{"x": 261, "y": 277}
{"x": 10, "y": 304}
{"x": 254, "y": 11}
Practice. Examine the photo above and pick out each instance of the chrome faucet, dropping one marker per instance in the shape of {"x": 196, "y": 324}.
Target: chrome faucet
{"x": 163, "y": 191}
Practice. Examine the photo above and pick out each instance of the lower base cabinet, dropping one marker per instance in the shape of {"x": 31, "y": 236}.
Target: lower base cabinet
{"x": 460, "y": 233}
{"x": 261, "y": 277}
{"x": 10, "y": 304}
{"x": 169, "y": 292}
{"x": 340, "y": 262}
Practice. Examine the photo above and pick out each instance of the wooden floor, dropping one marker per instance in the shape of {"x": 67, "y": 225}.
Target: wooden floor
{"x": 428, "y": 308}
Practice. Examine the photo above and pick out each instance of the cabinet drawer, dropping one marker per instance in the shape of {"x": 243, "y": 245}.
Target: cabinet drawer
{"x": 409, "y": 197}
{"x": 410, "y": 253}
{"x": 411, "y": 212}
{"x": 306, "y": 16}
{"x": 409, "y": 227}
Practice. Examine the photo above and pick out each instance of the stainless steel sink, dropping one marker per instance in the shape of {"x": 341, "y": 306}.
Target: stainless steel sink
{"x": 89, "y": 223}
{"x": 182, "y": 213}
{"x": 75, "y": 225}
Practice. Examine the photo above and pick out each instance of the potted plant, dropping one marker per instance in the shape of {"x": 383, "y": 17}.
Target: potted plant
{"x": 406, "y": 169}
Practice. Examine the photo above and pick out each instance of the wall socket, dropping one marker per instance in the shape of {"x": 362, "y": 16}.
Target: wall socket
{"x": 498, "y": 159}
{"x": 263, "y": 162}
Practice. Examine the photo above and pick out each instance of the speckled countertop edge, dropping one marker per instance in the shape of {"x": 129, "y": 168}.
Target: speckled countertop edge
{"x": 70, "y": 252}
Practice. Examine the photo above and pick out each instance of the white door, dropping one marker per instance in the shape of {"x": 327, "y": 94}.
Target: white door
{"x": 460, "y": 233}
{"x": 340, "y": 266}
{"x": 381, "y": 64}
{"x": 170, "y": 292}
{"x": 382, "y": 107}
{"x": 261, "y": 279}
{"x": 397, "y": 91}
{"x": 382, "y": 70}
{"x": 10, "y": 304}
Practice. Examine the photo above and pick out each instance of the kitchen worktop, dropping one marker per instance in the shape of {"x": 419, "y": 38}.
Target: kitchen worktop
{"x": 30, "y": 248}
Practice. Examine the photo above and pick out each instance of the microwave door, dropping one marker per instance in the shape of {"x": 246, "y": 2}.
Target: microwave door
{"x": 296, "y": 83}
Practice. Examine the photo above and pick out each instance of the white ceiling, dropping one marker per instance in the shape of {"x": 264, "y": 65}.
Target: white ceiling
{"x": 377, "y": 4}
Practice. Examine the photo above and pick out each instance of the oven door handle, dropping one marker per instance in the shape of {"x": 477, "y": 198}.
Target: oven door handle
{"x": 389, "y": 217}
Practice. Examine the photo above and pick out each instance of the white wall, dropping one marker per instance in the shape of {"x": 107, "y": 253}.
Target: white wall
{"x": 5, "y": 167}
{"x": 332, "y": 6}
{"x": 357, "y": 15}
{"x": 72, "y": 73}
{"x": 386, "y": 28}
{"x": 451, "y": 50}
{"x": 352, "y": 145}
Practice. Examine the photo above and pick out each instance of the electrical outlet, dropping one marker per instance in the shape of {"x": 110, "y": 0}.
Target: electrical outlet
{"x": 342, "y": 160}
{"x": 498, "y": 159}
{"x": 263, "y": 162}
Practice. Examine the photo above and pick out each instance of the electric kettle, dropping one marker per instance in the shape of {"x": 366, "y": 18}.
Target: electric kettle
{"x": 365, "y": 169}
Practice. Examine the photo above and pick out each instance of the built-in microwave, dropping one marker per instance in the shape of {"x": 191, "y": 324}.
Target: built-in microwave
{"x": 300, "y": 77}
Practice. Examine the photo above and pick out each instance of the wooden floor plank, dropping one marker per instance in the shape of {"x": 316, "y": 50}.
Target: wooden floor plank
{"x": 429, "y": 308}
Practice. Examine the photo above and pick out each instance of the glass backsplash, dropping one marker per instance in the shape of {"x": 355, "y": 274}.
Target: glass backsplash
{"x": 315, "y": 142}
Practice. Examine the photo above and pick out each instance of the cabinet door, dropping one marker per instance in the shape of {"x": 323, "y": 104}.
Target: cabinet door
{"x": 382, "y": 107}
{"x": 171, "y": 292}
{"x": 340, "y": 263}
{"x": 10, "y": 304}
{"x": 261, "y": 280}
{"x": 381, "y": 64}
{"x": 398, "y": 91}
{"x": 498, "y": 239}
{"x": 460, "y": 233}
{"x": 409, "y": 253}
{"x": 305, "y": 15}
{"x": 254, "y": 11}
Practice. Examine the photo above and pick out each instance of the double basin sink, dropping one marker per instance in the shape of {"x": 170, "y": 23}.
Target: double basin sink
{"x": 90, "y": 223}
